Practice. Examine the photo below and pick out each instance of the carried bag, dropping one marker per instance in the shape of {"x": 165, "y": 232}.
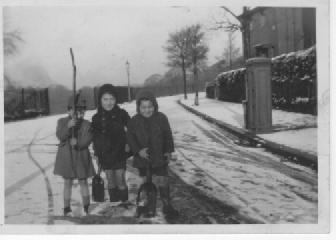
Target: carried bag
{"x": 98, "y": 189}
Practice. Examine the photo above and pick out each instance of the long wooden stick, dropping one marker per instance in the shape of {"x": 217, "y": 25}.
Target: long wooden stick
{"x": 73, "y": 88}
{"x": 73, "y": 109}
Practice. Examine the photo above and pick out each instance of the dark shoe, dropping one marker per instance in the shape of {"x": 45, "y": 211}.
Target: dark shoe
{"x": 114, "y": 195}
{"x": 123, "y": 194}
{"x": 67, "y": 212}
{"x": 167, "y": 208}
{"x": 86, "y": 209}
{"x": 164, "y": 195}
{"x": 169, "y": 211}
{"x": 142, "y": 211}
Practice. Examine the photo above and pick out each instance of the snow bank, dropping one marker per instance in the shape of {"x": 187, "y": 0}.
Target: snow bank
{"x": 296, "y": 130}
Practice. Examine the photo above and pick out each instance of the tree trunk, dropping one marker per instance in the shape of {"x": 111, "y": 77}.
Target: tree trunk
{"x": 184, "y": 80}
{"x": 245, "y": 29}
{"x": 196, "y": 86}
{"x": 246, "y": 42}
{"x": 22, "y": 98}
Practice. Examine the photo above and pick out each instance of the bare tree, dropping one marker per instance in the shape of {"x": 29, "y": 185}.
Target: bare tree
{"x": 240, "y": 23}
{"x": 177, "y": 49}
{"x": 11, "y": 40}
{"x": 198, "y": 53}
{"x": 231, "y": 52}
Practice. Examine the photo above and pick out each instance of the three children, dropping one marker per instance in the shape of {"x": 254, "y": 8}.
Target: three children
{"x": 148, "y": 135}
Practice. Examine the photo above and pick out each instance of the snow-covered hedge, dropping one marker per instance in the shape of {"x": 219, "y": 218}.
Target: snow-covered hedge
{"x": 210, "y": 89}
{"x": 293, "y": 82}
{"x": 230, "y": 85}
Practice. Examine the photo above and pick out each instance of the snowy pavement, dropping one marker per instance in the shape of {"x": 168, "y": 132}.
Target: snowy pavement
{"x": 213, "y": 179}
{"x": 295, "y": 130}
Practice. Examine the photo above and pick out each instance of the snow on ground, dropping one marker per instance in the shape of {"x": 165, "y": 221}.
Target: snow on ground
{"x": 256, "y": 184}
{"x": 34, "y": 195}
{"x": 296, "y": 130}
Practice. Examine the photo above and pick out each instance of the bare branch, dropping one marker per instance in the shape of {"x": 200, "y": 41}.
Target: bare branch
{"x": 229, "y": 11}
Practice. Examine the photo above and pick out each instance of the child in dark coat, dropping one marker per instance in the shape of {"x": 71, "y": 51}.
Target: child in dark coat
{"x": 109, "y": 141}
{"x": 150, "y": 138}
{"x": 73, "y": 159}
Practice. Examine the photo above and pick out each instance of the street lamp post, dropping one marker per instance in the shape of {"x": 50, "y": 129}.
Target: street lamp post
{"x": 128, "y": 80}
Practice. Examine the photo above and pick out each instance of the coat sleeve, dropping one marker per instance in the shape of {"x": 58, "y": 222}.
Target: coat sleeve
{"x": 126, "y": 118}
{"x": 62, "y": 130}
{"x": 168, "y": 136}
{"x": 131, "y": 138}
{"x": 85, "y": 138}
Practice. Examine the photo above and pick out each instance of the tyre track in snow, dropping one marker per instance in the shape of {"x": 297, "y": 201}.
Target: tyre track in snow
{"x": 258, "y": 159}
{"x": 26, "y": 145}
{"x": 245, "y": 156}
{"x": 50, "y": 213}
{"x": 253, "y": 215}
{"x": 258, "y": 219}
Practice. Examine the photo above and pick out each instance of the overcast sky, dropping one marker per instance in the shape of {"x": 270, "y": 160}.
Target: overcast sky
{"x": 103, "y": 38}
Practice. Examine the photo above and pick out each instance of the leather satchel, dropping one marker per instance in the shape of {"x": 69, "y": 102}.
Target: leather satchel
{"x": 98, "y": 189}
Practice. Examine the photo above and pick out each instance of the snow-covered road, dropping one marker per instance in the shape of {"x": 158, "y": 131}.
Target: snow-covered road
{"x": 254, "y": 185}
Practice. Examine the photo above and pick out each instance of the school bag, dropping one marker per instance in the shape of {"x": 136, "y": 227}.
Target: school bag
{"x": 98, "y": 189}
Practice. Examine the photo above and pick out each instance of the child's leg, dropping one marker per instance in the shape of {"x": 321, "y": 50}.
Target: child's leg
{"x": 121, "y": 183}
{"x": 67, "y": 195}
{"x": 162, "y": 182}
{"x": 164, "y": 190}
{"x": 120, "y": 178}
{"x": 110, "y": 176}
{"x": 112, "y": 185}
{"x": 84, "y": 190}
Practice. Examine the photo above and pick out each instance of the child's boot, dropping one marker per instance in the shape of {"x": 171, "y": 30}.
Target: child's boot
{"x": 86, "y": 205}
{"x": 168, "y": 210}
{"x": 123, "y": 194}
{"x": 67, "y": 212}
{"x": 114, "y": 194}
{"x": 86, "y": 209}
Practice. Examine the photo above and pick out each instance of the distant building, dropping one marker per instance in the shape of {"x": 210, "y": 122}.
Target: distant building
{"x": 277, "y": 30}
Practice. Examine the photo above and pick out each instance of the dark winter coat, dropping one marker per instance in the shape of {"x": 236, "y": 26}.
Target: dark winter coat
{"x": 74, "y": 162}
{"x": 109, "y": 135}
{"x": 153, "y": 133}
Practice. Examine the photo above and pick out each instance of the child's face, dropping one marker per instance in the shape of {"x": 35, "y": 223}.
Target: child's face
{"x": 146, "y": 108}
{"x": 108, "y": 101}
{"x": 81, "y": 113}
{"x": 70, "y": 112}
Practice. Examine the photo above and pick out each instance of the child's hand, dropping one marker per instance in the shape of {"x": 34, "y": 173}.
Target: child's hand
{"x": 71, "y": 123}
{"x": 127, "y": 148}
{"x": 73, "y": 142}
{"x": 96, "y": 159}
{"x": 144, "y": 153}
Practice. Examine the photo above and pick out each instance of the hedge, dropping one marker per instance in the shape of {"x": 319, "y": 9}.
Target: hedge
{"x": 293, "y": 82}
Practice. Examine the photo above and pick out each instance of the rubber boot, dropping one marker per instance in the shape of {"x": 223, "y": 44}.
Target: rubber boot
{"x": 123, "y": 194}
{"x": 168, "y": 210}
{"x": 67, "y": 212}
{"x": 86, "y": 209}
{"x": 114, "y": 194}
